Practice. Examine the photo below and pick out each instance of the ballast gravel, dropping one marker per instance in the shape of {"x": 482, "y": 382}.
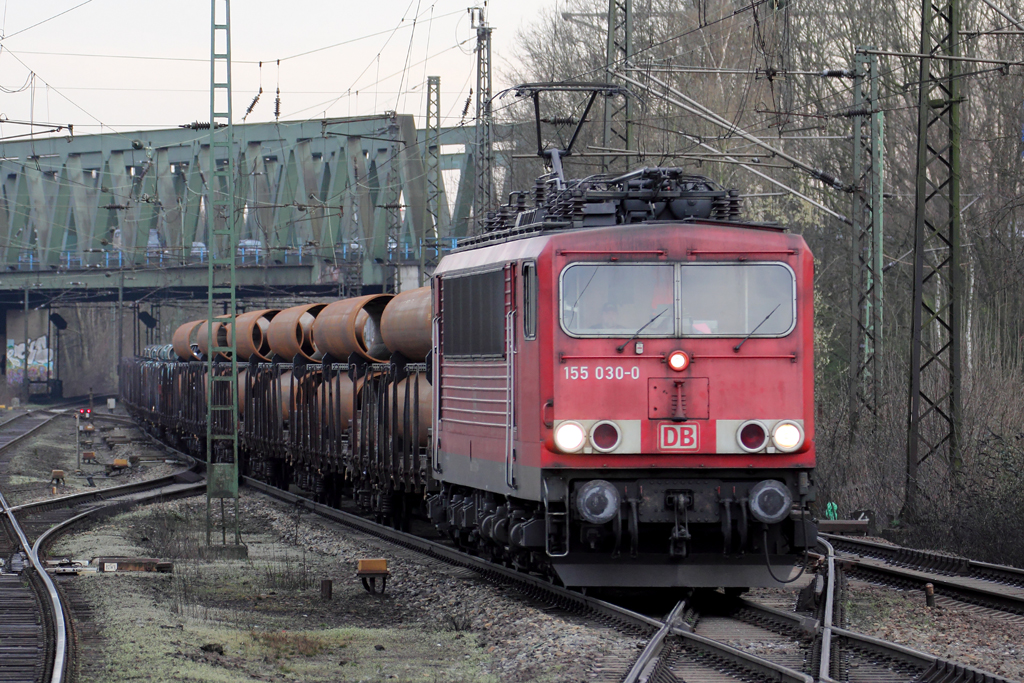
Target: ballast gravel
{"x": 434, "y": 623}
{"x": 527, "y": 642}
{"x": 979, "y": 637}
{"x": 976, "y": 636}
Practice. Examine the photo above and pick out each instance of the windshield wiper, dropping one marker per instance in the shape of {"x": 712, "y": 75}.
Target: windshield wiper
{"x": 637, "y": 333}
{"x": 737, "y": 347}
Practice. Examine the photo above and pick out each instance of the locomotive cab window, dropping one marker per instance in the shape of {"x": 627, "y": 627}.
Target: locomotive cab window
{"x": 737, "y": 299}
{"x": 680, "y": 300}
{"x": 616, "y": 300}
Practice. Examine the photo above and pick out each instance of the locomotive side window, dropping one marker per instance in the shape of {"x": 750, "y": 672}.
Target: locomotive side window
{"x": 617, "y": 300}
{"x": 530, "y": 300}
{"x": 473, "y": 314}
{"x": 712, "y": 299}
{"x": 731, "y": 300}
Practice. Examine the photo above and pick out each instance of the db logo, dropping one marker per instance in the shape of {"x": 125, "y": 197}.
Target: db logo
{"x": 678, "y": 437}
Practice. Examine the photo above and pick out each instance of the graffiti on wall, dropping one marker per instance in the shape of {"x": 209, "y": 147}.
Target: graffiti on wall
{"x": 37, "y": 359}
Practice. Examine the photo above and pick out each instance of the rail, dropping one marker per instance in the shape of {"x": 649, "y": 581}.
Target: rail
{"x": 997, "y": 587}
{"x": 526, "y": 583}
{"x": 825, "y": 665}
{"x": 655, "y": 645}
{"x": 929, "y": 668}
{"x": 60, "y": 626}
{"x": 930, "y": 561}
{"x": 108, "y": 496}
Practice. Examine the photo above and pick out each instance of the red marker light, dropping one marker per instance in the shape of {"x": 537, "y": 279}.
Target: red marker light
{"x": 752, "y": 436}
{"x": 678, "y": 361}
{"x": 605, "y": 436}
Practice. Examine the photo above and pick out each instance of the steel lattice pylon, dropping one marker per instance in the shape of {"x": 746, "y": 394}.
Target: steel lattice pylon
{"x": 935, "y": 400}
{"x": 222, "y": 245}
{"x": 618, "y": 115}
{"x": 429, "y": 254}
{"x": 389, "y": 199}
{"x": 483, "y": 195}
{"x": 866, "y": 242}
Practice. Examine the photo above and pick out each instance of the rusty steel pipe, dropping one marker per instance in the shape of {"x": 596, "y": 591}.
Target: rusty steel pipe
{"x": 183, "y": 340}
{"x": 286, "y": 395}
{"x": 341, "y": 330}
{"x": 290, "y": 333}
{"x": 408, "y": 385}
{"x": 251, "y": 337}
{"x": 406, "y": 324}
{"x": 241, "y": 392}
{"x": 221, "y": 337}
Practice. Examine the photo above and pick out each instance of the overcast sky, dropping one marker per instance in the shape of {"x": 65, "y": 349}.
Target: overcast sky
{"x": 145, "y": 63}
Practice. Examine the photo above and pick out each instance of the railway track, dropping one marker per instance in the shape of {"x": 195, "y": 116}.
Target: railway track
{"x": 857, "y": 658}
{"x": 706, "y": 653}
{"x": 34, "y": 628}
{"x": 996, "y": 587}
{"x": 791, "y": 647}
{"x": 33, "y": 633}
{"x": 707, "y": 638}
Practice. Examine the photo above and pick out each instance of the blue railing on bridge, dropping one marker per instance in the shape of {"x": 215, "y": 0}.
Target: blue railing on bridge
{"x": 114, "y": 259}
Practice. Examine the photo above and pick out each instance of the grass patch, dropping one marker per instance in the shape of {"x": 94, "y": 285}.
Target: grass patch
{"x": 289, "y": 644}
{"x": 872, "y": 608}
{"x": 19, "y": 480}
{"x": 457, "y": 621}
{"x": 286, "y": 572}
{"x": 265, "y": 612}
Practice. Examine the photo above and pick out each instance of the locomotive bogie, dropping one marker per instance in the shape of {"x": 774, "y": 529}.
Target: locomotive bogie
{"x": 650, "y": 529}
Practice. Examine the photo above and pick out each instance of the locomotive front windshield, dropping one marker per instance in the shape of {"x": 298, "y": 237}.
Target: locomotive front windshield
{"x": 678, "y": 300}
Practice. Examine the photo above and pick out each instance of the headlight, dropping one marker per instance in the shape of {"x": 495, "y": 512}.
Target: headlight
{"x": 788, "y": 436}
{"x": 570, "y": 437}
{"x": 598, "y": 501}
{"x": 770, "y": 501}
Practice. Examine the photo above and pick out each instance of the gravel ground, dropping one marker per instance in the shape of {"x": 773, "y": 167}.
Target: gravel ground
{"x": 978, "y": 637}
{"x": 25, "y": 474}
{"x": 435, "y": 623}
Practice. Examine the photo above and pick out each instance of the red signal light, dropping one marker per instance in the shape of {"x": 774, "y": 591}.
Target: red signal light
{"x": 605, "y": 436}
{"x": 753, "y": 436}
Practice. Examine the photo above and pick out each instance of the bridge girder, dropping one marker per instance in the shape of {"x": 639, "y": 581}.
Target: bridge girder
{"x": 307, "y": 192}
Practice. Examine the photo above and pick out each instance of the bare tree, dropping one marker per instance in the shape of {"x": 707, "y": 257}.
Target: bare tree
{"x": 757, "y": 64}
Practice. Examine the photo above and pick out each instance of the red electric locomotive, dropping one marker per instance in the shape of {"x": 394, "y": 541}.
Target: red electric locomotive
{"x": 623, "y": 386}
{"x": 612, "y": 385}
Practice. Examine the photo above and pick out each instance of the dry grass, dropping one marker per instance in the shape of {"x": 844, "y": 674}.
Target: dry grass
{"x": 286, "y": 572}
{"x": 289, "y": 644}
